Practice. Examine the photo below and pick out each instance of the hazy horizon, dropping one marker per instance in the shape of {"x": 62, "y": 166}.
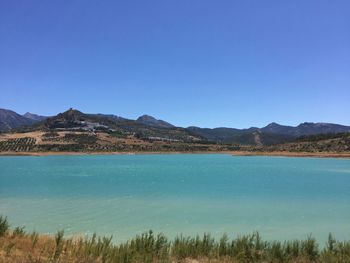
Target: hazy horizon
{"x": 191, "y": 63}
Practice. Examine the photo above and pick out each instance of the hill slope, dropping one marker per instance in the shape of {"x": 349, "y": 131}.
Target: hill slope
{"x": 76, "y": 120}
{"x": 328, "y": 143}
{"x": 151, "y": 121}
{"x": 306, "y": 128}
{"x": 271, "y": 134}
{"x": 12, "y": 120}
{"x": 251, "y": 136}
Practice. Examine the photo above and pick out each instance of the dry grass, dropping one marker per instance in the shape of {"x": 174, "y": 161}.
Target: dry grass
{"x": 18, "y": 246}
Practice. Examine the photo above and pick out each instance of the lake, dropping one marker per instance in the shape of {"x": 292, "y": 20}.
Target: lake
{"x": 124, "y": 195}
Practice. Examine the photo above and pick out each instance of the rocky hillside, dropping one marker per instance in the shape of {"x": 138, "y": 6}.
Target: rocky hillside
{"x": 12, "y": 120}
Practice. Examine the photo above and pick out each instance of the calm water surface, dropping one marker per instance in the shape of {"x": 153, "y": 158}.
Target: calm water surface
{"x": 124, "y": 195}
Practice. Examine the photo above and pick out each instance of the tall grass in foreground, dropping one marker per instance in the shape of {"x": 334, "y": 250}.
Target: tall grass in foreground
{"x": 18, "y": 246}
{"x": 4, "y": 226}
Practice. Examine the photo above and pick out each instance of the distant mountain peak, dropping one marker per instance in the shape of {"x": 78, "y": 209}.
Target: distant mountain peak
{"x": 316, "y": 124}
{"x": 273, "y": 124}
{"x": 306, "y": 123}
{"x": 72, "y": 110}
{"x": 146, "y": 117}
{"x": 70, "y": 115}
{"x": 151, "y": 121}
{"x": 274, "y": 127}
{"x": 12, "y": 120}
{"x": 34, "y": 117}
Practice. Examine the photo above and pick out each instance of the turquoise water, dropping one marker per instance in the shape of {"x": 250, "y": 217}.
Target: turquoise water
{"x": 124, "y": 195}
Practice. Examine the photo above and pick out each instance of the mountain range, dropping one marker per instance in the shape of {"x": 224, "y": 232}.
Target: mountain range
{"x": 11, "y": 120}
{"x": 148, "y": 127}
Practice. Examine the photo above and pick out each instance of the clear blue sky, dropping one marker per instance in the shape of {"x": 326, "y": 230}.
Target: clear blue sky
{"x": 190, "y": 62}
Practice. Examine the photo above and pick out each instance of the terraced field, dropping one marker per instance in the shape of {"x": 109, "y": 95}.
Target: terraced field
{"x": 18, "y": 145}
{"x": 68, "y": 141}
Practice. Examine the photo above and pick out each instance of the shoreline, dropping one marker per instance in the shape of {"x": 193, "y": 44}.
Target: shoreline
{"x": 293, "y": 154}
{"x": 233, "y": 153}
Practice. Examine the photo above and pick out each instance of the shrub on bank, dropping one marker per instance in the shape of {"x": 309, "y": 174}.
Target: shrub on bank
{"x": 19, "y": 246}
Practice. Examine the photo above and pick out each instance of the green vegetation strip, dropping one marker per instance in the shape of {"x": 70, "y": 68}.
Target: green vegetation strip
{"x": 18, "y": 246}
